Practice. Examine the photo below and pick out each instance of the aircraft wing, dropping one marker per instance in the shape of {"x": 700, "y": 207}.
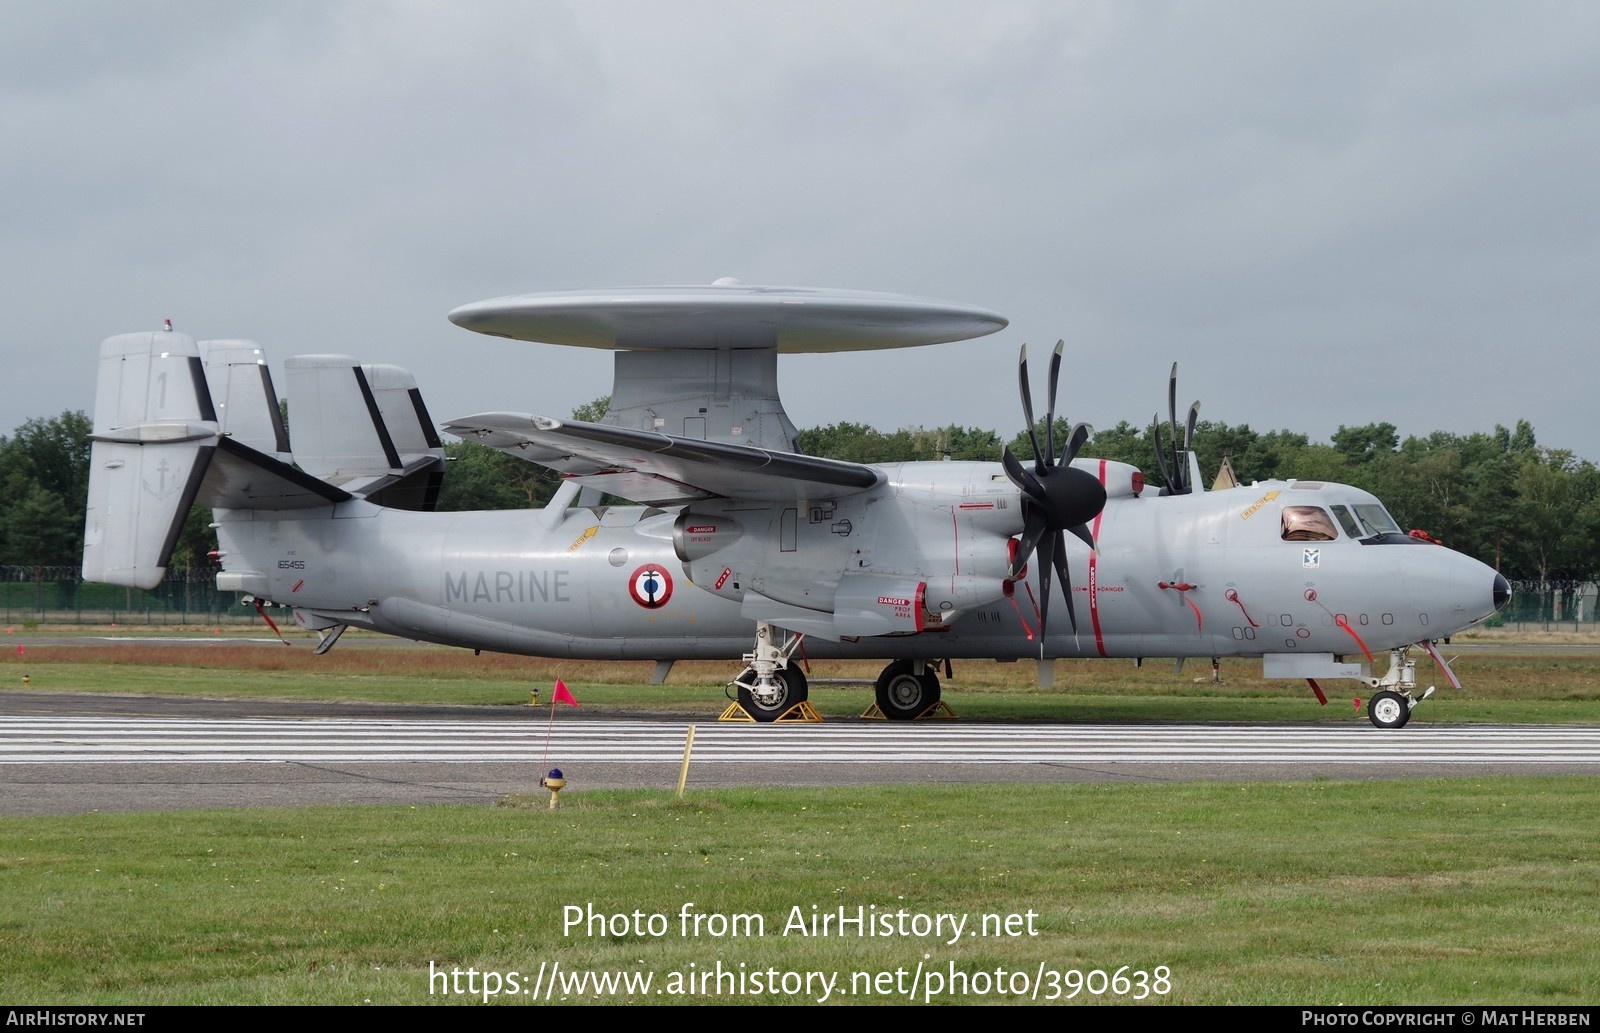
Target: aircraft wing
{"x": 659, "y": 469}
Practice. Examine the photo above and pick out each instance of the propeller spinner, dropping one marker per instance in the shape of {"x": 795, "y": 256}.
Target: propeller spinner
{"x": 1056, "y": 496}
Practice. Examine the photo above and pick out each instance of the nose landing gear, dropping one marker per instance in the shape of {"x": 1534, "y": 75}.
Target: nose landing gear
{"x": 1391, "y": 705}
{"x": 771, "y": 685}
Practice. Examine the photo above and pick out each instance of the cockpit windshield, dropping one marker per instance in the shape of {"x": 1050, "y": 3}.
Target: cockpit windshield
{"x": 1364, "y": 520}
{"x": 1348, "y": 521}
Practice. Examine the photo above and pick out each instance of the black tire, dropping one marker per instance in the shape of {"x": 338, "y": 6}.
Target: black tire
{"x": 1389, "y": 710}
{"x": 795, "y": 690}
{"x": 903, "y": 694}
{"x": 799, "y": 687}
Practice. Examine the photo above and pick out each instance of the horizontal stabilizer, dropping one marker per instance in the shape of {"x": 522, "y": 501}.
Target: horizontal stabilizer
{"x": 239, "y": 477}
{"x": 364, "y": 428}
{"x": 659, "y": 469}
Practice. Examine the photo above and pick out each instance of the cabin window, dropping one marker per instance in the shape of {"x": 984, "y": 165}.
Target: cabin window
{"x": 1307, "y": 524}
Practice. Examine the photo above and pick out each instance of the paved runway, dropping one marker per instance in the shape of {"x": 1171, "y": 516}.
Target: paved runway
{"x": 62, "y": 753}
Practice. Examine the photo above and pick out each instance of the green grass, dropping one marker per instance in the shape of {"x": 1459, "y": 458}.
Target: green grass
{"x": 1458, "y": 891}
{"x": 1440, "y": 892}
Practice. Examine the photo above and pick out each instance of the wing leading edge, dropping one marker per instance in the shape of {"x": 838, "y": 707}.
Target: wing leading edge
{"x": 659, "y": 469}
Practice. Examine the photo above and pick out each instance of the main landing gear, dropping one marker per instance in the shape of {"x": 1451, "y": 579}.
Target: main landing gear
{"x": 772, "y": 684}
{"x": 1391, "y": 705}
{"x": 907, "y": 689}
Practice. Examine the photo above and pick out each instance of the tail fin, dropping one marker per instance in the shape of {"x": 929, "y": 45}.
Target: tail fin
{"x": 365, "y": 429}
{"x": 158, "y": 448}
{"x": 154, "y": 430}
{"x": 245, "y": 401}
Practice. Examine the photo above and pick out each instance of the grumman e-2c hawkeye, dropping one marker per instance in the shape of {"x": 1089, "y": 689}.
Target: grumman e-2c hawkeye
{"x": 739, "y": 548}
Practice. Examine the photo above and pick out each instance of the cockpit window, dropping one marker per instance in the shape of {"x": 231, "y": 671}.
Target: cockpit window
{"x": 1365, "y": 520}
{"x": 1348, "y": 521}
{"x": 1307, "y": 524}
{"x": 1376, "y": 519}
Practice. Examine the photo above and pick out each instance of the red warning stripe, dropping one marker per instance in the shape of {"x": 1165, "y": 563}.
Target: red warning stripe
{"x": 1094, "y": 593}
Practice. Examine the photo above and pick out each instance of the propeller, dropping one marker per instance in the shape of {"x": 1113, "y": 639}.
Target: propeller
{"x": 1175, "y": 476}
{"x": 1056, "y": 496}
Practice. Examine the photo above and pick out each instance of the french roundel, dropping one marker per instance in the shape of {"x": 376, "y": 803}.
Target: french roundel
{"x": 650, "y": 587}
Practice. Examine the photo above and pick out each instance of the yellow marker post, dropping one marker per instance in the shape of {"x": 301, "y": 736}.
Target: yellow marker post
{"x": 683, "y": 772}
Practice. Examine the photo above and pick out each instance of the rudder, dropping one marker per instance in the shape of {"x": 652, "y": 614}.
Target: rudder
{"x": 155, "y": 427}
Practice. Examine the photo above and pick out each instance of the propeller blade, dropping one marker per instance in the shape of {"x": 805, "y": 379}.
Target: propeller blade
{"x": 1027, "y": 409}
{"x": 1161, "y": 457}
{"x": 1019, "y": 475}
{"x": 1178, "y": 466}
{"x": 1047, "y": 557}
{"x": 1066, "y": 586}
{"x": 1084, "y": 535}
{"x": 1188, "y": 449}
{"x": 1178, "y": 487}
{"x": 1033, "y": 531}
{"x": 1050, "y": 412}
{"x": 1075, "y": 441}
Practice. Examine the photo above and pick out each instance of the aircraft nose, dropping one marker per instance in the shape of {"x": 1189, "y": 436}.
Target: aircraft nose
{"x": 1502, "y": 592}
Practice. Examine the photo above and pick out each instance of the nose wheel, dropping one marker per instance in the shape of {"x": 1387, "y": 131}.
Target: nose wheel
{"x": 770, "y": 685}
{"x": 769, "y": 701}
{"x": 1388, "y": 709}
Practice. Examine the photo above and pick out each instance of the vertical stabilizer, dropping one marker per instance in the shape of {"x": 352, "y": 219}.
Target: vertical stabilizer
{"x": 364, "y": 428}
{"x": 244, "y": 396}
{"x": 155, "y": 427}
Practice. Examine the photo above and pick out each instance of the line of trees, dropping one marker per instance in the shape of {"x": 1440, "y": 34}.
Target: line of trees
{"x": 1533, "y": 513}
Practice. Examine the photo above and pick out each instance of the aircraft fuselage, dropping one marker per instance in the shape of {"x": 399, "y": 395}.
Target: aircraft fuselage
{"x": 1206, "y": 574}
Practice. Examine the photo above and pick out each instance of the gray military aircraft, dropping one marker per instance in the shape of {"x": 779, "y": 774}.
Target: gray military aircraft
{"x": 739, "y": 548}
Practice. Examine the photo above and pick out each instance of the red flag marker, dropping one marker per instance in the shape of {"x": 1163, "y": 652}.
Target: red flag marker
{"x": 19, "y": 648}
{"x": 562, "y": 694}
{"x": 1358, "y": 703}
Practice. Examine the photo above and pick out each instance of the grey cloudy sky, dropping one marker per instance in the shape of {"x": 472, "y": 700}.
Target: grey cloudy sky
{"x": 1328, "y": 212}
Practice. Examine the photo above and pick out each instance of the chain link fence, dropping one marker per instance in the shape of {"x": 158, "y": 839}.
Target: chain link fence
{"x": 31, "y": 596}
{"x": 1550, "y": 606}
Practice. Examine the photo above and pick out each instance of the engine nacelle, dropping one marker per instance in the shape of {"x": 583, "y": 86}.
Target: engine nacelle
{"x": 946, "y": 597}
{"x": 697, "y": 535}
{"x": 871, "y": 604}
{"x": 1121, "y": 480}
